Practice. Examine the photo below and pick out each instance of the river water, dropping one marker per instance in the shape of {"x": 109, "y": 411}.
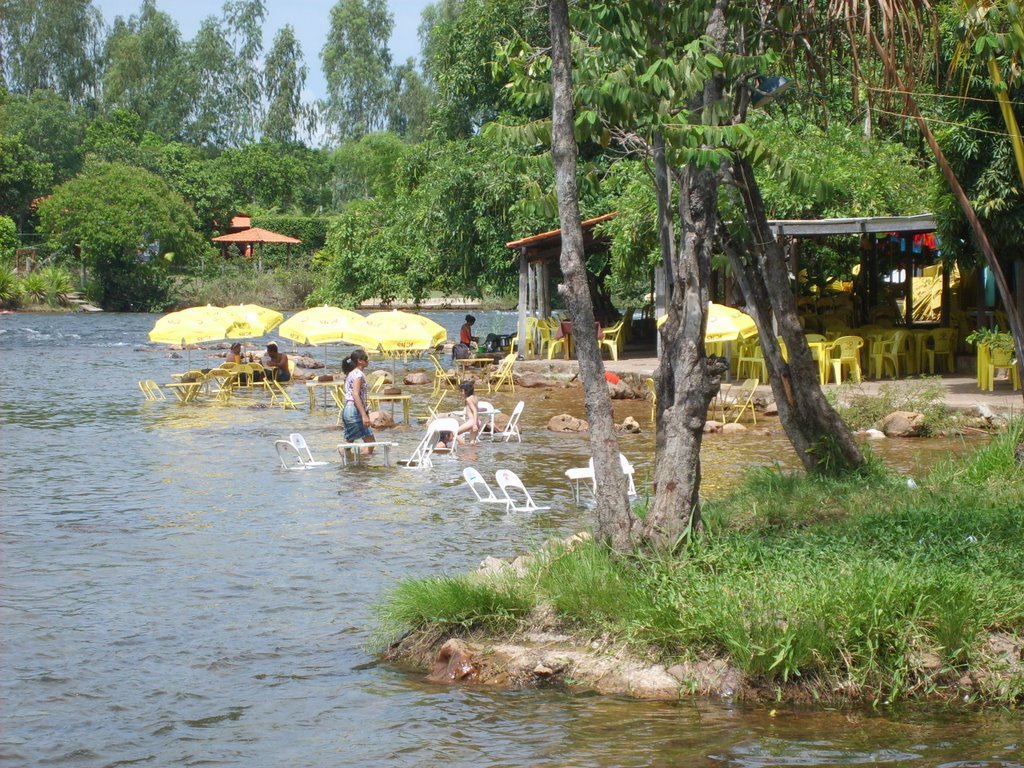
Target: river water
{"x": 170, "y": 596}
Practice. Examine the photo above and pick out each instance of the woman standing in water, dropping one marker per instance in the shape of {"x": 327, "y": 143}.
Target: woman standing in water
{"x": 355, "y": 415}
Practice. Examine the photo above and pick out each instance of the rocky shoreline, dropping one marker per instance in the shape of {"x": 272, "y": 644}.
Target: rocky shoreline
{"x": 544, "y": 653}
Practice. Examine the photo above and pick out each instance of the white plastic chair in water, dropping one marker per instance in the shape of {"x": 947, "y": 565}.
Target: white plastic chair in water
{"x": 509, "y": 480}
{"x": 480, "y": 488}
{"x": 420, "y": 458}
{"x": 295, "y": 454}
{"x": 512, "y": 428}
{"x": 577, "y": 474}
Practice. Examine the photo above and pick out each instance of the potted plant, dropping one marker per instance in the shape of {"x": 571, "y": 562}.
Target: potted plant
{"x": 996, "y": 341}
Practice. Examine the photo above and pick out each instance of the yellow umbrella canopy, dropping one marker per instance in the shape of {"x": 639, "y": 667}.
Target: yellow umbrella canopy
{"x": 322, "y": 325}
{"x": 724, "y": 324}
{"x": 252, "y": 320}
{"x": 397, "y": 331}
{"x": 192, "y": 326}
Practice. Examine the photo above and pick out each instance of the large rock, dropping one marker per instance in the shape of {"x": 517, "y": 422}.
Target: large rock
{"x": 733, "y": 428}
{"x": 381, "y": 420}
{"x": 454, "y": 662}
{"x": 416, "y": 378}
{"x": 629, "y": 425}
{"x": 305, "y": 361}
{"x": 902, "y": 424}
{"x": 566, "y": 423}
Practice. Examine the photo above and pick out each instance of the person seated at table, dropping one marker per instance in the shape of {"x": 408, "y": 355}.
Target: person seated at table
{"x": 234, "y": 354}
{"x": 466, "y": 332}
{"x": 277, "y": 363}
{"x": 472, "y": 422}
{"x": 354, "y": 413}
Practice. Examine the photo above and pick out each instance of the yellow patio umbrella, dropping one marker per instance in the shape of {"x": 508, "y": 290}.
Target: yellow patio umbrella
{"x": 724, "y": 324}
{"x": 321, "y": 325}
{"x": 252, "y": 320}
{"x": 192, "y": 326}
{"x": 397, "y": 331}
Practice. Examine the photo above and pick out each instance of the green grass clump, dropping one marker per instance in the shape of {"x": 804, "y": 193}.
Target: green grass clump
{"x": 862, "y": 588}
{"x": 924, "y": 395}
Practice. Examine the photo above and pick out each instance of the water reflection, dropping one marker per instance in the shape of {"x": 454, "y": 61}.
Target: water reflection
{"x": 171, "y": 596}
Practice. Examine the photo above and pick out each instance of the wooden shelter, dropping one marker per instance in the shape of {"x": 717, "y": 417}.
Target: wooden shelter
{"x": 536, "y": 253}
{"x": 247, "y": 239}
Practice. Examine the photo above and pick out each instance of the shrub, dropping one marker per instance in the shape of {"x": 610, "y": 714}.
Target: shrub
{"x": 10, "y": 288}
{"x": 35, "y": 288}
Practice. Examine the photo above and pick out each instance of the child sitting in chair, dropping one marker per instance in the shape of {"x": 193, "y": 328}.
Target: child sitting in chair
{"x": 472, "y": 422}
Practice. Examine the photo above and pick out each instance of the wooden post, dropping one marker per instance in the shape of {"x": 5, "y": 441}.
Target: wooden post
{"x": 524, "y": 283}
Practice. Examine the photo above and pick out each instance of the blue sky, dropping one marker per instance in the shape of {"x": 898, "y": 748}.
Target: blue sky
{"x": 310, "y": 19}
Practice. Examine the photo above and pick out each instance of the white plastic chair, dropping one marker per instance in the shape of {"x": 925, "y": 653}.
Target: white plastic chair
{"x": 295, "y": 454}
{"x": 420, "y": 458}
{"x": 577, "y": 474}
{"x": 485, "y": 412}
{"x": 509, "y": 480}
{"x": 480, "y": 488}
{"x": 512, "y": 428}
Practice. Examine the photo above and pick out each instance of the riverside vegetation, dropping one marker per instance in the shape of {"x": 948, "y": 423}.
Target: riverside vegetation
{"x": 868, "y": 588}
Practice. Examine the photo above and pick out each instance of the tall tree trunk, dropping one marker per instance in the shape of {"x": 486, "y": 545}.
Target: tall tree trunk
{"x": 686, "y": 382}
{"x": 613, "y": 514}
{"x": 823, "y": 442}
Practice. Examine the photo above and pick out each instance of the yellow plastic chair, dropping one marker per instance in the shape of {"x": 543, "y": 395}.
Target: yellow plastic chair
{"x": 612, "y": 339}
{"x": 888, "y": 351}
{"x": 741, "y": 397}
{"x": 652, "y": 390}
{"x": 279, "y": 396}
{"x": 442, "y": 378}
{"x": 151, "y": 390}
{"x": 845, "y": 353}
{"x": 377, "y": 382}
{"x": 503, "y": 376}
{"x": 999, "y": 360}
{"x": 546, "y": 327}
{"x": 751, "y": 360}
{"x": 941, "y": 346}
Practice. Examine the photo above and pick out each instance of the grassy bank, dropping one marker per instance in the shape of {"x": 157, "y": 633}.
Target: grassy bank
{"x": 865, "y": 589}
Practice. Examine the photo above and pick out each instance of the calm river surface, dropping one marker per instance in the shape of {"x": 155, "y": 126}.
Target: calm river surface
{"x": 169, "y": 596}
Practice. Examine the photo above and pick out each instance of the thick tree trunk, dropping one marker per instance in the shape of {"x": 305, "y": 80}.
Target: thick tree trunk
{"x": 686, "y": 382}
{"x": 823, "y": 442}
{"x": 613, "y": 514}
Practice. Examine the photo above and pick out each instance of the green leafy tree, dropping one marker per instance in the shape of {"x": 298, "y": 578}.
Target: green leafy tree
{"x": 459, "y": 62}
{"x": 357, "y": 66}
{"x": 49, "y": 124}
{"x": 24, "y": 176}
{"x": 147, "y": 71}
{"x": 130, "y": 226}
{"x": 209, "y": 64}
{"x": 8, "y": 240}
{"x": 409, "y": 109}
{"x": 50, "y": 44}
{"x": 284, "y": 77}
{"x": 243, "y": 20}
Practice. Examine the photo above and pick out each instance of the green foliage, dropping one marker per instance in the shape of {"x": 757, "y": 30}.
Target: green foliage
{"x": 846, "y": 586}
{"x": 991, "y": 338}
{"x": 129, "y": 224}
{"x": 357, "y": 66}
{"x": 50, "y": 126}
{"x": 10, "y": 288}
{"x": 453, "y": 601}
{"x": 8, "y": 240}
{"x": 240, "y": 283}
{"x": 460, "y": 61}
{"x": 311, "y": 230}
{"x": 924, "y": 395}
{"x": 445, "y": 231}
{"x": 35, "y": 288}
